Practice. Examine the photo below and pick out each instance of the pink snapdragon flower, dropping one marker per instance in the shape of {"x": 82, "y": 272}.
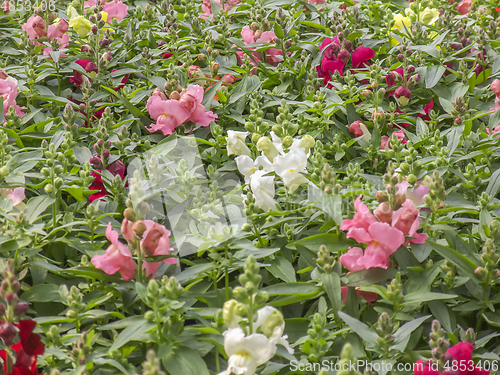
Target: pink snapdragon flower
{"x": 463, "y": 6}
{"x": 117, "y": 258}
{"x": 8, "y": 91}
{"x": 156, "y": 242}
{"x": 407, "y": 221}
{"x": 250, "y": 37}
{"x": 384, "y": 140}
{"x": 416, "y": 195}
{"x": 171, "y": 113}
{"x": 206, "y": 7}
{"x": 114, "y": 8}
{"x": 36, "y": 28}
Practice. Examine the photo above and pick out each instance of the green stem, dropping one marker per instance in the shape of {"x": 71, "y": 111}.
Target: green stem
{"x": 226, "y": 277}
{"x": 217, "y": 363}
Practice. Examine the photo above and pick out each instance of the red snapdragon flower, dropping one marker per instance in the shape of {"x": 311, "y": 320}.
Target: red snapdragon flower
{"x": 461, "y": 357}
{"x": 89, "y": 67}
{"x": 116, "y": 168}
{"x": 27, "y": 349}
{"x": 335, "y": 57}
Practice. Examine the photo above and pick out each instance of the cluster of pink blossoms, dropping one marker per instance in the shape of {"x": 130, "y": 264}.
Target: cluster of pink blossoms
{"x": 36, "y": 29}
{"x": 207, "y": 7}
{"x": 154, "y": 241}
{"x": 178, "y": 109}
{"x": 384, "y": 230}
{"x": 8, "y": 91}
{"x": 114, "y": 8}
{"x": 250, "y": 37}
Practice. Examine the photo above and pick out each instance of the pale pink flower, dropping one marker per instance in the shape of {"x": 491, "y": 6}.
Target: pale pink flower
{"x": 249, "y": 36}
{"x": 495, "y": 87}
{"x": 416, "y": 195}
{"x": 115, "y": 9}
{"x": 383, "y": 212}
{"x": 35, "y": 27}
{"x": 191, "y": 99}
{"x": 16, "y": 195}
{"x": 159, "y": 93}
{"x": 168, "y": 114}
{"x": 126, "y": 229}
{"x": 497, "y": 105}
{"x": 361, "y": 221}
{"x": 384, "y": 143}
{"x": 156, "y": 242}
{"x": 406, "y": 220}
{"x": 58, "y": 30}
{"x": 117, "y": 258}
{"x": 463, "y": 6}
{"x": 8, "y": 91}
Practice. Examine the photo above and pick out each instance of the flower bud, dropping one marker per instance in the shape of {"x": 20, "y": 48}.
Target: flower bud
{"x": 495, "y": 87}
{"x": 21, "y": 308}
{"x": 265, "y": 145}
{"x": 7, "y": 333}
{"x": 383, "y": 212}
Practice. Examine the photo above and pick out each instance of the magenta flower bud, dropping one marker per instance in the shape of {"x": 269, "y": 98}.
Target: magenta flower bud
{"x": 96, "y": 160}
{"x": 456, "y": 46}
{"x": 348, "y": 45}
{"x": 84, "y": 48}
{"x": 2, "y": 309}
{"x": 94, "y": 29}
{"x": 400, "y": 57}
{"x": 7, "y": 333}
{"x": 343, "y": 55}
{"x": 105, "y": 153}
{"x": 411, "y": 69}
{"x": 402, "y": 91}
{"x": 161, "y": 43}
{"x": 21, "y": 308}
{"x": 11, "y": 298}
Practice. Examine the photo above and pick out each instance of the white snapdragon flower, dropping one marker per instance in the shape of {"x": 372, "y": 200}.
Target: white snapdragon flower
{"x": 248, "y": 167}
{"x": 263, "y": 190}
{"x": 246, "y": 353}
{"x": 290, "y": 168}
{"x": 236, "y": 143}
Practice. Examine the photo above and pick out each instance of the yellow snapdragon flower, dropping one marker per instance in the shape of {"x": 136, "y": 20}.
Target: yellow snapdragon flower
{"x": 403, "y": 23}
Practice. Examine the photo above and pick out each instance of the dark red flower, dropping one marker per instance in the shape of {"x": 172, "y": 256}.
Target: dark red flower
{"x": 335, "y": 58}
{"x": 166, "y": 55}
{"x": 390, "y": 79}
{"x": 27, "y": 349}
{"x": 370, "y": 297}
{"x": 115, "y": 168}
{"x": 427, "y": 109}
{"x": 89, "y": 66}
{"x": 402, "y": 91}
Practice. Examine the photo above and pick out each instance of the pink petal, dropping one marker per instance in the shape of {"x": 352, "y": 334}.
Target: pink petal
{"x": 388, "y": 237}
{"x": 199, "y": 116}
{"x": 351, "y": 259}
{"x": 248, "y": 35}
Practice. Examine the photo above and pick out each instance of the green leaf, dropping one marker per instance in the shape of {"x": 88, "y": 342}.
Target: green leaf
{"x": 360, "y": 328}
{"x": 278, "y": 30}
{"x": 402, "y": 335}
{"x": 447, "y": 106}
{"x": 333, "y": 242}
{"x": 443, "y": 314}
{"x": 292, "y": 289}
{"x": 36, "y": 206}
{"x": 331, "y": 283}
{"x": 419, "y": 297}
{"x": 42, "y": 293}
{"x": 281, "y": 268}
{"x": 454, "y": 138}
{"x": 369, "y": 277}
{"x": 131, "y": 333}
{"x": 422, "y": 128}
{"x": 433, "y": 75}
{"x": 185, "y": 361}
{"x": 465, "y": 264}
{"x": 494, "y": 184}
